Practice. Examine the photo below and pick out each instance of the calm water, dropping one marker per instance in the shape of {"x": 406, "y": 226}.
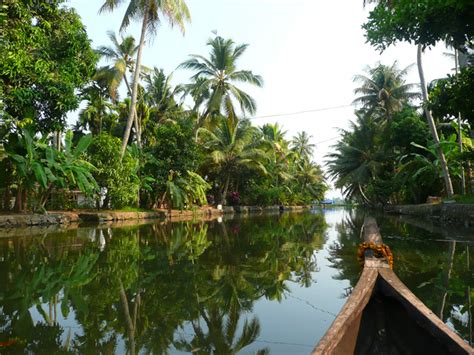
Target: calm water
{"x": 259, "y": 285}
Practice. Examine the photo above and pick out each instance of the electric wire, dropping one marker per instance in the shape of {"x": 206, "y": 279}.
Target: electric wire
{"x": 302, "y": 112}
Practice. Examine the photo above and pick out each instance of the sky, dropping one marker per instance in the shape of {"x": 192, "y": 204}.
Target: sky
{"x": 307, "y": 52}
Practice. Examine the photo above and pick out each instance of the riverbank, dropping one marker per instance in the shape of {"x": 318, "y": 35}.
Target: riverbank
{"x": 74, "y": 218}
{"x": 444, "y": 213}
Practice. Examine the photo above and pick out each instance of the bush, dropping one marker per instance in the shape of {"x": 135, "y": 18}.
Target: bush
{"x": 119, "y": 177}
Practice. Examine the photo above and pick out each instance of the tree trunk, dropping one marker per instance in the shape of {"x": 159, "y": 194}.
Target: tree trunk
{"x": 135, "y": 117}
{"x": 18, "y": 200}
{"x": 6, "y": 198}
{"x": 44, "y": 197}
{"x": 434, "y": 133}
{"x": 128, "y": 319}
{"x": 463, "y": 178}
{"x": 470, "y": 180}
{"x": 226, "y": 188}
{"x": 452, "y": 251}
{"x": 136, "y": 77}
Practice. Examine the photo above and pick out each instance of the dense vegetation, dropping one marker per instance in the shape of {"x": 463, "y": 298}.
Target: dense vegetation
{"x": 395, "y": 152}
{"x": 141, "y": 141}
{"x": 136, "y": 142}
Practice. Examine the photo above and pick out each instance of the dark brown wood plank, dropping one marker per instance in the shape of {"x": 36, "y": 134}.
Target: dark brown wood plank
{"x": 422, "y": 314}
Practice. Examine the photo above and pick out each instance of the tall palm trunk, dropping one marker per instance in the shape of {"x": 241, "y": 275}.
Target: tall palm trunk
{"x": 444, "y": 166}
{"x": 128, "y": 319}
{"x": 463, "y": 178}
{"x": 135, "y": 119}
{"x": 447, "y": 277}
{"x": 136, "y": 77}
{"x": 225, "y": 190}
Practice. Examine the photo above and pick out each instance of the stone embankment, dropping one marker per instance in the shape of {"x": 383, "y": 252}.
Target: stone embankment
{"x": 76, "y": 217}
{"x": 259, "y": 209}
{"x": 9, "y": 221}
{"x": 445, "y": 213}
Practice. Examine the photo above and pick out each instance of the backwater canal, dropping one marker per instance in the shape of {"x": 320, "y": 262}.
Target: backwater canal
{"x": 268, "y": 284}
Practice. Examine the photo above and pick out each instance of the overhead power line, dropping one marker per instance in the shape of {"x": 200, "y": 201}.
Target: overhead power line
{"x": 327, "y": 140}
{"x": 302, "y": 112}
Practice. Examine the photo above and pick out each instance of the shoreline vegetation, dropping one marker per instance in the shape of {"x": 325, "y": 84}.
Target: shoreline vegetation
{"x": 142, "y": 141}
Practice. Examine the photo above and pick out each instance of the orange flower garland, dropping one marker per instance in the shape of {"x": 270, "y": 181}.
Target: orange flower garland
{"x": 380, "y": 251}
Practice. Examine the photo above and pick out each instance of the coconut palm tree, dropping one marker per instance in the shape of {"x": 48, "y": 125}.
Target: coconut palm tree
{"x": 198, "y": 90}
{"x": 99, "y": 112}
{"x": 159, "y": 92}
{"x": 301, "y": 145}
{"x": 220, "y": 337}
{"x": 231, "y": 147}
{"x": 121, "y": 55}
{"x": 357, "y": 160}
{"x": 150, "y": 12}
{"x": 278, "y": 153}
{"x": 221, "y": 74}
{"x": 160, "y": 96}
{"x": 310, "y": 176}
{"x": 384, "y": 91}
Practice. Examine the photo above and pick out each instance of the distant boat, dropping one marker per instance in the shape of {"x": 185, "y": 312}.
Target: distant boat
{"x": 382, "y": 316}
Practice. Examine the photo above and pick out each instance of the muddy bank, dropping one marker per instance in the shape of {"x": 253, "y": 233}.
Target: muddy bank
{"x": 452, "y": 214}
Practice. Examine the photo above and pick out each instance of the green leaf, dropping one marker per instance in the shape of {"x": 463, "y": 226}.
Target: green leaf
{"x": 68, "y": 142}
{"x": 39, "y": 173}
{"x": 83, "y": 144}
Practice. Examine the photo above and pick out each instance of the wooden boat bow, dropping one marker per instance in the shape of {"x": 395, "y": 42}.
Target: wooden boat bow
{"x": 383, "y": 316}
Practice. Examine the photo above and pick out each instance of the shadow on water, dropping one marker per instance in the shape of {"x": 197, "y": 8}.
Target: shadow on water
{"x": 206, "y": 287}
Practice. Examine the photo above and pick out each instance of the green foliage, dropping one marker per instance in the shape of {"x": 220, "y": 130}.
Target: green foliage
{"x": 369, "y": 161}
{"x": 118, "y": 176}
{"x": 185, "y": 191}
{"x": 384, "y": 92}
{"x": 45, "y": 44}
{"x": 407, "y": 127}
{"x": 39, "y": 167}
{"x": 425, "y": 168}
{"x": 230, "y": 147}
{"x": 423, "y": 22}
{"x": 452, "y": 96}
{"x": 215, "y": 78}
{"x": 174, "y": 153}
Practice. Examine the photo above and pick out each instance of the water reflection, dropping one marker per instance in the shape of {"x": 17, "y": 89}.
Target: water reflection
{"x": 95, "y": 290}
{"x": 210, "y": 287}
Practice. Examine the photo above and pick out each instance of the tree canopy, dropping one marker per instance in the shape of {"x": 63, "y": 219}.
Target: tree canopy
{"x": 46, "y": 58}
{"x": 422, "y": 22}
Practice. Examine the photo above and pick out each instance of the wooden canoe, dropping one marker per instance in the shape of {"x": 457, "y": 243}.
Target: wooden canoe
{"x": 382, "y": 316}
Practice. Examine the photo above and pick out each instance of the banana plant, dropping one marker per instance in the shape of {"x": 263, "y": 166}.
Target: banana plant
{"x": 67, "y": 168}
{"x": 39, "y": 168}
{"x": 24, "y": 153}
{"x": 185, "y": 191}
{"x": 425, "y": 167}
